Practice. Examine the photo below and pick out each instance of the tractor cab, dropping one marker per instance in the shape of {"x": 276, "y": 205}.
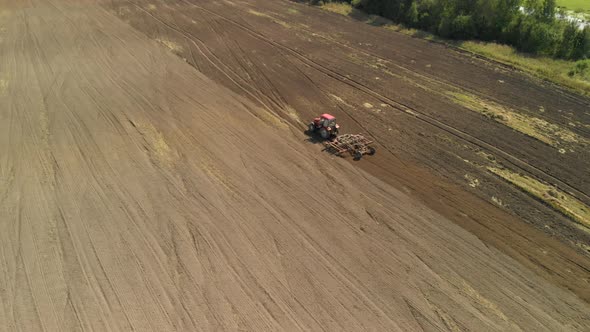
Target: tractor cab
{"x": 326, "y": 125}
{"x": 328, "y": 120}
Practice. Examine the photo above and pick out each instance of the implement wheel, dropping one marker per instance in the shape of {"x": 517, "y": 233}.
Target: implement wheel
{"x": 358, "y": 155}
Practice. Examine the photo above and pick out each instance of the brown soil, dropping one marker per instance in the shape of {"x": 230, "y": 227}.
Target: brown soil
{"x": 155, "y": 176}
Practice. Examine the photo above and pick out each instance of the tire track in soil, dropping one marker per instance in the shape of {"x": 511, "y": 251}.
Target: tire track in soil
{"x": 440, "y": 81}
{"x": 127, "y": 222}
{"x": 256, "y": 94}
{"x": 478, "y": 222}
{"x": 412, "y": 112}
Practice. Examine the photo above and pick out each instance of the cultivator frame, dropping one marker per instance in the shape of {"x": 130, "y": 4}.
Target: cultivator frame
{"x": 356, "y": 145}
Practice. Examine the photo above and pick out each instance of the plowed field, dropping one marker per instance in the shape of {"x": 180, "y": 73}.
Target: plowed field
{"x": 155, "y": 175}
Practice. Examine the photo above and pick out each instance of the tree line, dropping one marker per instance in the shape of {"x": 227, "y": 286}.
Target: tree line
{"x": 529, "y": 25}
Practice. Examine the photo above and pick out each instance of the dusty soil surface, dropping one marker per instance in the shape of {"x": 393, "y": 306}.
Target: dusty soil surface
{"x": 154, "y": 176}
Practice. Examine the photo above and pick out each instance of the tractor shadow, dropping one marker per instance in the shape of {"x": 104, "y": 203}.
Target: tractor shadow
{"x": 314, "y": 138}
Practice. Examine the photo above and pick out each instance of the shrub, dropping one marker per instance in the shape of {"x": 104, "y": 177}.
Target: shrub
{"x": 535, "y": 31}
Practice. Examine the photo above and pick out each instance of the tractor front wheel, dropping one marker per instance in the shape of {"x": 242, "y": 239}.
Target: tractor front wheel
{"x": 311, "y": 128}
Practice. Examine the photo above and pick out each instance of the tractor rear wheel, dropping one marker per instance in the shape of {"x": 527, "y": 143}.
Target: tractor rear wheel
{"x": 324, "y": 133}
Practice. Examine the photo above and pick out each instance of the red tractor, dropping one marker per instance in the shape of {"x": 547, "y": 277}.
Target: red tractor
{"x": 325, "y": 125}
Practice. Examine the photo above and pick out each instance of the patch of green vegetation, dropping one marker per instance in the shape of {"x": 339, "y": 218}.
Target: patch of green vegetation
{"x": 576, "y": 5}
{"x": 292, "y": 11}
{"x": 546, "y": 132}
{"x": 559, "y": 200}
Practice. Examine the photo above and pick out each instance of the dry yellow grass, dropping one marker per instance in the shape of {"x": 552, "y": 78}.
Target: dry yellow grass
{"x": 337, "y": 7}
{"x": 559, "y": 200}
{"x": 170, "y": 44}
{"x": 538, "y": 128}
{"x": 3, "y": 85}
{"x": 215, "y": 174}
{"x": 159, "y": 148}
{"x": 275, "y": 20}
{"x": 472, "y": 181}
{"x": 402, "y": 29}
{"x": 271, "y": 119}
{"x": 489, "y": 306}
{"x": 292, "y": 113}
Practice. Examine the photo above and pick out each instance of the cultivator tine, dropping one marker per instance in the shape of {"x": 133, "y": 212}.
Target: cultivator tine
{"x": 355, "y": 144}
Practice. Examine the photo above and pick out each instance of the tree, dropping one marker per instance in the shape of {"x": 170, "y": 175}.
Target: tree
{"x": 412, "y": 15}
{"x": 462, "y": 27}
{"x": 565, "y": 48}
{"x": 580, "y": 48}
{"x": 548, "y": 10}
{"x": 534, "y": 29}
